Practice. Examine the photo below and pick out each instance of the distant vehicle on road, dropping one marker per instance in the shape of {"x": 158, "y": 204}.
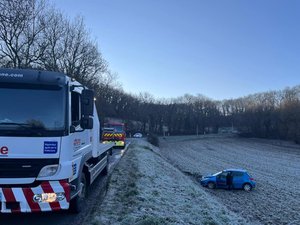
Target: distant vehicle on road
{"x": 137, "y": 135}
{"x": 241, "y": 180}
{"x": 114, "y": 132}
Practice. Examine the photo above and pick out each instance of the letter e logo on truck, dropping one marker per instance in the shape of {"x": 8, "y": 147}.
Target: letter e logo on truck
{"x": 4, "y": 151}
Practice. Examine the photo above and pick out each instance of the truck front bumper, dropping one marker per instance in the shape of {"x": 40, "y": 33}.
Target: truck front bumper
{"x": 116, "y": 143}
{"x": 48, "y": 196}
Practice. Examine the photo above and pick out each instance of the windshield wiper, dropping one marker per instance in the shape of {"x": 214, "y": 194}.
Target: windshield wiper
{"x": 17, "y": 124}
{"x": 25, "y": 125}
{"x": 21, "y": 133}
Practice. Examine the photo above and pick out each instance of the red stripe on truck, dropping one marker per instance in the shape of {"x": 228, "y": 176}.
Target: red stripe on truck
{"x": 48, "y": 189}
{"x": 66, "y": 188}
{"x": 10, "y": 198}
{"x": 34, "y": 206}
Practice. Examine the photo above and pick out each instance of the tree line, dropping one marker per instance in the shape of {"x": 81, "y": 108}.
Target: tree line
{"x": 34, "y": 34}
{"x": 273, "y": 114}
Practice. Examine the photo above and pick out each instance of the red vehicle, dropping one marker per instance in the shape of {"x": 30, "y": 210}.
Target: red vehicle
{"x": 114, "y": 132}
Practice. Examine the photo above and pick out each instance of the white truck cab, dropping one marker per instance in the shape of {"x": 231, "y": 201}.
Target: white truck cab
{"x": 50, "y": 148}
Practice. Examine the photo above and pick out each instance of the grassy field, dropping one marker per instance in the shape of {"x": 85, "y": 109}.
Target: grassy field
{"x": 145, "y": 189}
{"x": 275, "y": 165}
{"x": 161, "y": 186}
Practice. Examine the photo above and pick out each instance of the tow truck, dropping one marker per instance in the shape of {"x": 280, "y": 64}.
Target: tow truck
{"x": 50, "y": 150}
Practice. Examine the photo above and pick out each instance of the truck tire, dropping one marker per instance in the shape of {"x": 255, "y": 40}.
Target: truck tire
{"x": 77, "y": 203}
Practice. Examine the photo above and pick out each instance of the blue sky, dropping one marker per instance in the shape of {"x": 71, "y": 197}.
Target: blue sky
{"x": 221, "y": 49}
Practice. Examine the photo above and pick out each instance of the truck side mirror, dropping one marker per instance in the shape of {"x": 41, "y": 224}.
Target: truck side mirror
{"x": 87, "y": 103}
{"x": 86, "y": 123}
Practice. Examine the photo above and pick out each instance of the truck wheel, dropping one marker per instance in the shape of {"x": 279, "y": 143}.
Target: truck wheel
{"x": 77, "y": 203}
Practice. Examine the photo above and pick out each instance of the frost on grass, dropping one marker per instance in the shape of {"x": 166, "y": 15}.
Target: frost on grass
{"x": 121, "y": 196}
{"x": 145, "y": 189}
{"x": 273, "y": 164}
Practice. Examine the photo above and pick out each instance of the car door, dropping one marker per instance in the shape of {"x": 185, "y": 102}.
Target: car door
{"x": 237, "y": 181}
{"x": 221, "y": 180}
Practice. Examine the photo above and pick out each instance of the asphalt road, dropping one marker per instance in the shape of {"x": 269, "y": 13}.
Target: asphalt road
{"x": 96, "y": 193}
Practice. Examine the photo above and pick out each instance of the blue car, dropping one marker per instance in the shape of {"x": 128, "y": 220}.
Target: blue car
{"x": 240, "y": 180}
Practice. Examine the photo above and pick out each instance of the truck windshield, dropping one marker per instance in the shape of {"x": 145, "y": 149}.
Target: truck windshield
{"x": 32, "y": 112}
{"x": 117, "y": 128}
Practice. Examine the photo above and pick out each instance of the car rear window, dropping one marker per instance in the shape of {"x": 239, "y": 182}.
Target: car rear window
{"x": 237, "y": 174}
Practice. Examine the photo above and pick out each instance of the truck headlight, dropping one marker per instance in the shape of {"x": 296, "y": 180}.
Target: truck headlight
{"x": 48, "y": 171}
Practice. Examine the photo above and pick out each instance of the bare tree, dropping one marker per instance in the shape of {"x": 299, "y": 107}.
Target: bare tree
{"x": 53, "y": 36}
{"x": 21, "y": 24}
{"x": 80, "y": 57}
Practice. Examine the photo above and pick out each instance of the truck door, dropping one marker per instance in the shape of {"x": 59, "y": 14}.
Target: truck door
{"x": 81, "y": 140}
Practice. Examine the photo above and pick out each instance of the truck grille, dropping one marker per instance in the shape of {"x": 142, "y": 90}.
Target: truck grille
{"x": 23, "y": 168}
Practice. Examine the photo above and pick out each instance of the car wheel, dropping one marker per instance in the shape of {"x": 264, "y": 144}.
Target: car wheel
{"x": 211, "y": 185}
{"x": 247, "y": 187}
{"x": 77, "y": 204}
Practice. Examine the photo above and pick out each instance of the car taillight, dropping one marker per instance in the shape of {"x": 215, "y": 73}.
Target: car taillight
{"x": 251, "y": 178}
